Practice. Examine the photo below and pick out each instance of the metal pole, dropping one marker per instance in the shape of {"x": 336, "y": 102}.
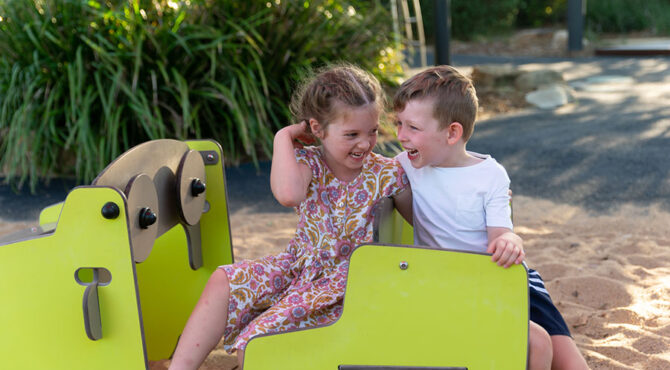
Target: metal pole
{"x": 442, "y": 31}
{"x": 576, "y": 11}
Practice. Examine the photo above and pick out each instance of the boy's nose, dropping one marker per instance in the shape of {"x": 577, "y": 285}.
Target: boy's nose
{"x": 400, "y": 134}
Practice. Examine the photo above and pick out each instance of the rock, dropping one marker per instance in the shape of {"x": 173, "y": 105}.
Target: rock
{"x": 560, "y": 40}
{"x": 490, "y": 75}
{"x": 532, "y": 80}
{"x": 550, "y": 96}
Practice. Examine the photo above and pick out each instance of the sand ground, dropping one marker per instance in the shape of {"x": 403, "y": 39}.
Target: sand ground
{"x": 609, "y": 274}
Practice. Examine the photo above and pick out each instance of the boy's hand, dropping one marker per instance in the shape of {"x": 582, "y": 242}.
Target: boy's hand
{"x": 507, "y": 249}
{"x": 299, "y": 134}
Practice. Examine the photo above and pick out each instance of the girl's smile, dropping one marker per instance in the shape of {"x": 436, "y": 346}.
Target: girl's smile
{"x": 348, "y": 140}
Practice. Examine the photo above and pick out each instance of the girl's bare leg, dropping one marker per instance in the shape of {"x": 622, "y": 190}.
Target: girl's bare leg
{"x": 206, "y": 324}
{"x": 240, "y": 359}
{"x": 540, "y": 351}
{"x": 566, "y": 354}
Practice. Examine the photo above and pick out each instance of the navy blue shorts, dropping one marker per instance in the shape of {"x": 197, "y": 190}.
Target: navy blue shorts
{"x": 542, "y": 309}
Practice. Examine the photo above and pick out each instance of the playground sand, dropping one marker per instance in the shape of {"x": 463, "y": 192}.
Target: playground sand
{"x": 609, "y": 274}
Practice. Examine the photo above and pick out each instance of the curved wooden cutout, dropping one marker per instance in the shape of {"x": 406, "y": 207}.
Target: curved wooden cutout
{"x": 142, "y": 199}
{"x": 191, "y": 171}
{"x": 159, "y": 159}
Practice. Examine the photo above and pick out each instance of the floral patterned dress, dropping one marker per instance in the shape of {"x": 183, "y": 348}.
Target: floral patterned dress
{"x": 304, "y": 286}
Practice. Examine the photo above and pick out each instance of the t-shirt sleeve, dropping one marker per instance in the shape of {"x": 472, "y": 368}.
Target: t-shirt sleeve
{"x": 398, "y": 178}
{"x": 498, "y": 208}
{"x": 308, "y": 156}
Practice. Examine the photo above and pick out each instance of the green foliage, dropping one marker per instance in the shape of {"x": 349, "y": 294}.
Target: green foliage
{"x": 475, "y": 18}
{"x": 628, "y": 15}
{"x": 81, "y": 81}
{"x": 483, "y": 17}
{"x": 541, "y": 13}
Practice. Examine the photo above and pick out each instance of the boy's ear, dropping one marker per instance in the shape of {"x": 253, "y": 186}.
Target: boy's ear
{"x": 454, "y": 132}
{"x": 316, "y": 128}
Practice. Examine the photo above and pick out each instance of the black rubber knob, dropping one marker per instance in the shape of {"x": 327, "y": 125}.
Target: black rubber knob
{"x": 147, "y": 217}
{"x": 110, "y": 211}
{"x": 197, "y": 187}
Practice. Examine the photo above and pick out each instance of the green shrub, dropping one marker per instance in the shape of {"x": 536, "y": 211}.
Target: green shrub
{"x": 482, "y": 17}
{"x": 541, "y": 13}
{"x": 622, "y": 16}
{"x": 81, "y": 81}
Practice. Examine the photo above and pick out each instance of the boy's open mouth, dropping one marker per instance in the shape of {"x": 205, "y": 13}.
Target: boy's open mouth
{"x": 412, "y": 153}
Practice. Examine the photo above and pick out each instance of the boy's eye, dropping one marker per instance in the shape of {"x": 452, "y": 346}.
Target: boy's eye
{"x": 351, "y": 134}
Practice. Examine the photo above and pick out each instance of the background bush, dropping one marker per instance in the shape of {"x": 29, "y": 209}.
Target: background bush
{"x": 81, "y": 81}
{"x": 486, "y": 18}
{"x": 621, "y": 16}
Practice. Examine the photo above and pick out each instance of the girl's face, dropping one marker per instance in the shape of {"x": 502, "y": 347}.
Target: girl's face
{"x": 348, "y": 140}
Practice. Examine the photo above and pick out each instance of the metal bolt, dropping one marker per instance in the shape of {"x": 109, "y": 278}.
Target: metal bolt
{"x": 110, "y": 211}
{"x": 210, "y": 157}
{"x": 197, "y": 187}
{"x": 147, "y": 218}
{"x": 403, "y": 265}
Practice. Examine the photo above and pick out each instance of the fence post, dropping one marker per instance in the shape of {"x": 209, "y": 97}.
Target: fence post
{"x": 442, "y": 31}
{"x": 576, "y": 11}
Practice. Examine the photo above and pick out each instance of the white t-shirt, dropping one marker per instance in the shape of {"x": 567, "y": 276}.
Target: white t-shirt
{"x": 452, "y": 206}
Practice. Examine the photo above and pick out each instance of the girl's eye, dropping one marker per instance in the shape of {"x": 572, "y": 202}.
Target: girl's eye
{"x": 351, "y": 134}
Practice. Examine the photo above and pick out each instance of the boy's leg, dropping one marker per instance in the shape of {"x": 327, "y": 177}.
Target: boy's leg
{"x": 539, "y": 348}
{"x": 206, "y": 324}
{"x": 566, "y": 354}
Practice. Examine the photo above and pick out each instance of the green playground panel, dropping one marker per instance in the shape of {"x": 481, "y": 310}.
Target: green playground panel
{"x": 446, "y": 309}
{"x": 144, "y": 307}
{"x": 41, "y": 315}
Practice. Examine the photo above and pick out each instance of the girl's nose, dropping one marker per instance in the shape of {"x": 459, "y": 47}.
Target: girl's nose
{"x": 364, "y": 144}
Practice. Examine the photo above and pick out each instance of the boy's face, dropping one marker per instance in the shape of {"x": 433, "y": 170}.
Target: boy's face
{"x": 420, "y": 134}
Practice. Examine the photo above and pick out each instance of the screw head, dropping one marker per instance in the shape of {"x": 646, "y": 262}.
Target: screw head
{"x": 404, "y": 265}
{"x": 197, "y": 187}
{"x": 147, "y": 217}
{"x": 110, "y": 211}
{"x": 210, "y": 157}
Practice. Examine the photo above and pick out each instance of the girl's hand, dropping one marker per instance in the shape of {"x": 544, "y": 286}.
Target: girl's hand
{"x": 507, "y": 249}
{"x": 300, "y": 134}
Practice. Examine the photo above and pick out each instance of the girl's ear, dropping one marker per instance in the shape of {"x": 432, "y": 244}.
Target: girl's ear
{"x": 454, "y": 132}
{"x": 316, "y": 128}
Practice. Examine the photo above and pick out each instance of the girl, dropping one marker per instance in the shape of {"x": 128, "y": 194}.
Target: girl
{"x": 334, "y": 188}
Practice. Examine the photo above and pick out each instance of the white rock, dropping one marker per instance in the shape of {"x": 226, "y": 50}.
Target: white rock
{"x": 550, "y": 96}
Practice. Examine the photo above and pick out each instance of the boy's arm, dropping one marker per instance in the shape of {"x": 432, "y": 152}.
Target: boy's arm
{"x": 403, "y": 203}
{"x": 505, "y": 245}
{"x": 289, "y": 179}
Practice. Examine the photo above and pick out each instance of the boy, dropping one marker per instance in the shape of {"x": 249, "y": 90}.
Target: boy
{"x": 461, "y": 198}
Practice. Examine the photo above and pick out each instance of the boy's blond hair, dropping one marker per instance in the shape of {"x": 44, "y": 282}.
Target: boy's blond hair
{"x": 454, "y": 96}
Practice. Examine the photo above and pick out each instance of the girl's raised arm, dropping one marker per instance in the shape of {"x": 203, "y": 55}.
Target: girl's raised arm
{"x": 289, "y": 179}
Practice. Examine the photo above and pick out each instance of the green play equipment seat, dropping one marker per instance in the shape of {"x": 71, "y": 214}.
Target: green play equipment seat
{"x": 412, "y": 308}
{"x": 109, "y": 278}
